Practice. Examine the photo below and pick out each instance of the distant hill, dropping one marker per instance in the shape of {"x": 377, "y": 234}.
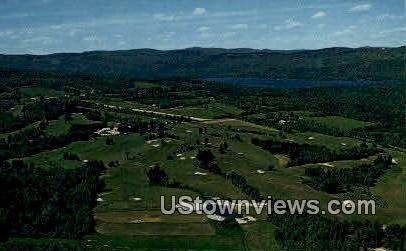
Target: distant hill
{"x": 325, "y": 64}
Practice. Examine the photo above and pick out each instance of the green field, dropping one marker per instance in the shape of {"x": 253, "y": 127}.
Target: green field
{"x": 209, "y": 111}
{"x": 127, "y": 212}
{"x": 33, "y": 92}
{"x": 340, "y": 123}
{"x": 332, "y": 142}
{"x": 62, "y": 125}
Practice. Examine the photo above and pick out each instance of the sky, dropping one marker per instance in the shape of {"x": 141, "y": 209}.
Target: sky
{"x": 51, "y": 26}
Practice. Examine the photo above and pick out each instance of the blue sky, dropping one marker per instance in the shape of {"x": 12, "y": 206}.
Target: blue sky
{"x": 48, "y": 26}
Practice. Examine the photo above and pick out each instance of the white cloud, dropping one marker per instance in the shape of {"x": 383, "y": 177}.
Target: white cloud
{"x": 163, "y": 17}
{"x": 360, "y": 8}
{"x": 199, "y": 11}
{"x": 6, "y": 33}
{"x": 239, "y": 26}
{"x": 319, "y": 14}
{"x": 290, "y": 24}
{"x": 346, "y": 31}
{"x": 203, "y": 29}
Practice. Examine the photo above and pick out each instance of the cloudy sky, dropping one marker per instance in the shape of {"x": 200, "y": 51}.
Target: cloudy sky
{"x": 48, "y": 26}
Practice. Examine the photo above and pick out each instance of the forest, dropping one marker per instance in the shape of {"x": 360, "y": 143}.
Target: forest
{"x": 85, "y": 156}
{"x": 42, "y": 203}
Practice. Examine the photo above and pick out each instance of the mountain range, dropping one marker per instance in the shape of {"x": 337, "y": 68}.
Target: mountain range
{"x": 366, "y": 63}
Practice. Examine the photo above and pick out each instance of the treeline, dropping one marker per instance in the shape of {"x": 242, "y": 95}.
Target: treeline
{"x": 54, "y": 203}
{"x": 319, "y": 233}
{"x": 157, "y": 176}
{"x": 381, "y": 103}
{"x": 57, "y": 80}
{"x": 142, "y": 126}
{"x": 324, "y": 64}
{"x": 208, "y": 162}
{"x": 345, "y": 179}
{"x": 293, "y": 122}
{"x": 31, "y": 112}
{"x": 31, "y": 244}
{"x": 307, "y": 232}
{"x": 305, "y": 153}
{"x": 240, "y": 182}
{"x": 128, "y": 124}
{"x": 299, "y": 122}
{"x": 34, "y": 140}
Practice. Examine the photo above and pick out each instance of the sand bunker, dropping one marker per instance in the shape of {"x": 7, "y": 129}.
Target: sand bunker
{"x": 245, "y": 219}
{"x": 259, "y": 171}
{"x": 137, "y": 221}
{"x": 152, "y": 141}
{"x": 199, "y": 173}
{"x": 240, "y": 221}
{"x": 250, "y": 218}
{"x": 108, "y": 131}
{"x": 215, "y": 217}
{"x": 326, "y": 164}
{"x": 311, "y": 138}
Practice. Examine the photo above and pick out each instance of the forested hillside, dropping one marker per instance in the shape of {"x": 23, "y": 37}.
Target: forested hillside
{"x": 325, "y": 64}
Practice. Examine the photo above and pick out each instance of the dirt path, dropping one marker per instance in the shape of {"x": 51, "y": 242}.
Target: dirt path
{"x": 156, "y": 113}
{"x": 197, "y": 119}
{"x": 216, "y": 121}
{"x": 170, "y": 114}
